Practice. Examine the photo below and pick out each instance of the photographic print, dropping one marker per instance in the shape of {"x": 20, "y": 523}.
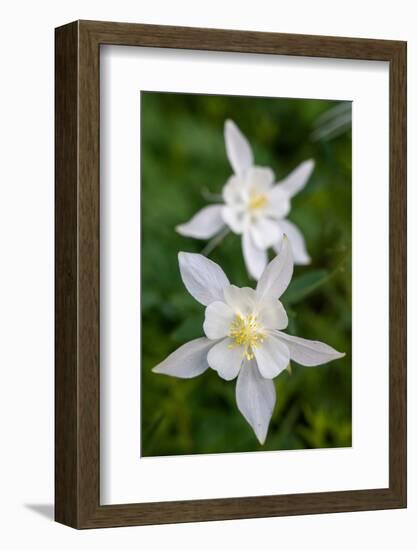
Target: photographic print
{"x": 204, "y": 250}
{"x": 245, "y": 274}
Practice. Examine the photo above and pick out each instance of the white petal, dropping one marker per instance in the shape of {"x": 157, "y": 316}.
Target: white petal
{"x": 309, "y": 352}
{"x": 277, "y": 274}
{"x": 238, "y": 150}
{"x": 278, "y": 205}
{"x": 272, "y": 314}
{"x": 272, "y": 356}
{"x": 235, "y": 192}
{"x": 297, "y": 179}
{"x": 255, "y": 397}
{"x": 226, "y": 358}
{"x": 188, "y": 361}
{"x": 240, "y": 300}
{"x": 265, "y": 232}
{"x": 218, "y": 318}
{"x": 259, "y": 178}
{"x": 297, "y": 242}
{"x": 203, "y": 279}
{"x": 234, "y": 218}
{"x": 255, "y": 258}
{"x": 203, "y": 225}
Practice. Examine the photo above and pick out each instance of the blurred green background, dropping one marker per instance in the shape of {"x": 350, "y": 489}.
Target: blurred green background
{"x": 182, "y": 160}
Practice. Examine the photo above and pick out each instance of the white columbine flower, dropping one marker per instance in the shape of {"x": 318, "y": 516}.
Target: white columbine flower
{"x": 254, "y": 206}
{"x": 244, "y": 337}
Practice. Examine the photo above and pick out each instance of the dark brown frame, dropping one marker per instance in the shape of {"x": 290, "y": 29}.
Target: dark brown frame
{"x": 77, "y": 274}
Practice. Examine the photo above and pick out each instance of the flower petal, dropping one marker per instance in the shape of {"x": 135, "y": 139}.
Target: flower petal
{"x": 272, "y": 356}
{"x": 218, "y": 318}
{"x": 235, "y": 192}
{"x": 203, "y": 279}
{"x": 255, "y": 397}
{"x": 259, "y": 178}
{"x": 309, "y": 353}
{"x": 265, "y": 232}
{"x": 278, "y": 205}
{"x": 255, "y": 258}
{"x": 203, "y": 225}
{"x": 238, "y": 150}
{"x": 298, "y": 178}
{"x": 240, "y": 300}
{"x": 297, "y": 242}
{"x": 277, "y": 274}
{"x": 226, "y": 358}
{"x": 272, "y": 314}
{"x": 234, "y": 218}
{"x": 188, "y": 361}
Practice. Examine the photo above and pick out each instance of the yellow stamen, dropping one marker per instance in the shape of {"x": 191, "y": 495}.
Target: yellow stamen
{"x": 257, "y": 200}
{"x": 246, "y": 331}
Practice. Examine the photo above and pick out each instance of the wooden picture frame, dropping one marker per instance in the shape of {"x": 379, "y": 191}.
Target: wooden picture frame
{"x": 77, "y": 382}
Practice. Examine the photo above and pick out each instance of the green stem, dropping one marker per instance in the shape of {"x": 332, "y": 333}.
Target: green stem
{"x": 209, "y": 196}
{"x": 215, "y": 241}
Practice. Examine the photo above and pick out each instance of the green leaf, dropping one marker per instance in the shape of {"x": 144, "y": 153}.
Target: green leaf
{"x": 304, "y": 285}
{"x": 190, "y": 328}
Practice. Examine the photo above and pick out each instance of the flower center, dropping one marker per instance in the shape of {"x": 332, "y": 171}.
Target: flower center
{"x": 257, "y": 200}
{"x": 247, "y": 332}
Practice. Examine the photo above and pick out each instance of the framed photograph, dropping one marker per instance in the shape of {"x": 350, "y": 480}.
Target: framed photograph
{"x": 230, "y": 274}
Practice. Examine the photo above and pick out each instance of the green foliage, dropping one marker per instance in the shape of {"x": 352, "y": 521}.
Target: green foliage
{"x": 182, "y": 153}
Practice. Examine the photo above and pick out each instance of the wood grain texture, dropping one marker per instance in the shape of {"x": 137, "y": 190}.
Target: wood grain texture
{"x": 78, "y": 286}
{"x": 66, "y": 237}
{"x": 398, "y": 273}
